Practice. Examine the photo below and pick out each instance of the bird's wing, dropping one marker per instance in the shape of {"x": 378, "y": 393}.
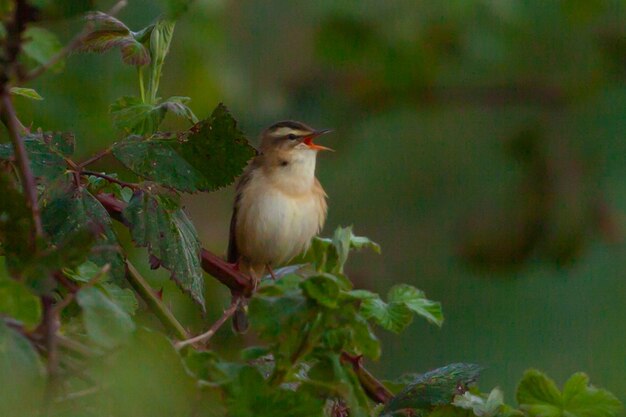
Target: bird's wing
{"x": 233, "y": 251}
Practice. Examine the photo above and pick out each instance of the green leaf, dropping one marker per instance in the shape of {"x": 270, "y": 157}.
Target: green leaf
{"x": 18, "y": 302}
{"x": 538, "y": 396}
{"x": 84, "y": 272}
{"x": 21, "y": 375}
{"x": 144, "y": 378}
{"x": 41, "y": 45}
{"x": 394, "y": 316}
{"x": 344, "y": 240}
{"x": 46, "y": 152}
{"x": 436, "y": 387}
{"x": 158, "y": 223}
{"x": 209, "y": 156}
{"x": 364, "y": 339}
{"x": 417, "y": 302}
{"x": 133, "y": 116}
{"x": 26, "y": 92}
{"x": 67, "y": 210}
{"x": 123, "y": 297}
{"x": 481, "y": 407}
{"x": 322, "y": 288}
{"x": 106, "y": 322}
{"x": 249, "y": 394}
{"x": 110, "y": 33}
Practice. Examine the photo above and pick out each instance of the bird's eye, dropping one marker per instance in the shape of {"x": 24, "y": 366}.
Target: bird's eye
{"x": 292, "y": 136}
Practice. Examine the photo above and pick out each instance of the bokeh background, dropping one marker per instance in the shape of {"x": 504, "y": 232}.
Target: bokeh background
{"x": 482, "y": 143}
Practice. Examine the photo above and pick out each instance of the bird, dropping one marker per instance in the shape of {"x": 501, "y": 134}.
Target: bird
{"x": 279, "y": 204}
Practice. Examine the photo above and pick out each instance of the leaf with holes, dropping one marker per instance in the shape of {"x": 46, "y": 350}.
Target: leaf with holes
{"x": 207, "y": 157}
{"x": 158, "y": 223}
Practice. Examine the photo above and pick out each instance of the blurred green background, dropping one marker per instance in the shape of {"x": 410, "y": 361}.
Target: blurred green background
{"x": 482, "y": 143}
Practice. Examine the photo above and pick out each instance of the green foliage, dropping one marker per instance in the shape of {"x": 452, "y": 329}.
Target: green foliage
{"x": 538, "y": 395}
{"x": 158, "y": 223}
{"x": 207, "y": 157}
{"x": 314, "y": 329}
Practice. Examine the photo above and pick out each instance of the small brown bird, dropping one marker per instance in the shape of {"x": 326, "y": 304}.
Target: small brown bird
{"x": 280, "y": 205}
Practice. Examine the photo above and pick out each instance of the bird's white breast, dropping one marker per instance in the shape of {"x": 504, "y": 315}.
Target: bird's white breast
{"x": 278, "y": 215}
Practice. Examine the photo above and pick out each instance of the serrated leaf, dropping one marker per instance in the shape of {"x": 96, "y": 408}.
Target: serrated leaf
{"x": 211, "y": 155}
{"x": 417, "y": 302}
{"x": 45, "y": 152}
{"x": 322, "y": 288}
{"x": 21, "y": 375}
{"x": 436, "y": 387}
{"x": 41, "y": 45}
{"x": 110, "y": 33}
{"x": 538, "y": 396}
{"x": 18, "y": 302}
{"x": 133, "y": 116}
{"x": 25, "y": 92}
{"x": 393, "y": 316}
{"x": 107, "y": 323}
{"x": 158, "y": 223}
{"x": 68, "y": 209}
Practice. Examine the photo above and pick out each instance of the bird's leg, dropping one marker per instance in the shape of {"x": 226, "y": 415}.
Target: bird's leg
{"x": 271, "y": 271}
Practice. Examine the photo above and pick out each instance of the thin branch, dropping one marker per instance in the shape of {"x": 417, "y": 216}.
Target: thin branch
{"x": 204, "y": 337}
{"x": 71, "y": 46}
{"x": 9, "y": 118}
{"x": 154, "y": 303}
{"x": 111, "y": 179}
{"x": 96, "y": 157}
{"x": 372, "y": 386}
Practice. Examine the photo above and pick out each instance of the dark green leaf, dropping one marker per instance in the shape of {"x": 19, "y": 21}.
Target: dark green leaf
{"x": 21, "y": 375}
{"x": 417, "y": 302}
{"x": 26, "y": 92}
{"x": 106, "y": 322}
{"x": 436, "y": 387}
{"x": 211, "y": 155}
{"x": 46, "y": 152}
{"x": 41, "y": 45}
{"x": 158, "y": 223}
{"x": 18, "y": 302}
{"x": 68, "y": 210}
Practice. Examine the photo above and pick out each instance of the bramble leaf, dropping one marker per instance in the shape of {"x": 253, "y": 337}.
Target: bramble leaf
{"x": 25, "y": 92}
{"x": 539, "y": 396}
{"x": 21, "y": 375}
{"x": 41, "y": 45}
{"x": 158, "y": 223}
{"x": 69, "y": 209}
{"x": 322, "y": 288}
{"x": 393, "y": 316}
{"x": 133, "y": 116}
{"x": 45, "y": 151}
{"x": 209, "y": 156}
{"x": 436, "y": 387}
{"x": 18, "y": 302}
{"x": 417, "y": 302}
{"x": 106, "y": 322}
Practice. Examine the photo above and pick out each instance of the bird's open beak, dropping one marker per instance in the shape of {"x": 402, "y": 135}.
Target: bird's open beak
{"x": 308, "y": 140}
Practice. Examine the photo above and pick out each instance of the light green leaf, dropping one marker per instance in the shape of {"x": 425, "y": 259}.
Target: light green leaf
{"x": 106, "y": 322}
{"x": 26, "y": 92}
{"x": 365, "y": 341}
{"x": 209, "y": 156}
{"x": 18, "y": 302}
{"x": 83, "y": 272}
{"x": 158, "y": 223}
{"x": 481, "y": 407}
{"x": 394, "y": 316}
{"x": 538, "y": 395}
{"x": 21, "y": 375}
{"x": 123, "y": 297}
{"x": 417, "y": 302}
{"x": 322, "y": 288}
{"x": 41, "y": 45}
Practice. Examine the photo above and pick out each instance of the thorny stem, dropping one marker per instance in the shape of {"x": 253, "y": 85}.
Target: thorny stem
{"x": 155, "y": 304}
{"x": 111, "y": 179}
{"x": 95, "y": 158}
{"x": 204, "y": 337}
{"x": 372, "y": 386}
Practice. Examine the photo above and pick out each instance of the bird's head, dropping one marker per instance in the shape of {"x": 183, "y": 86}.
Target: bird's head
{"x": 291, "y": 136}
